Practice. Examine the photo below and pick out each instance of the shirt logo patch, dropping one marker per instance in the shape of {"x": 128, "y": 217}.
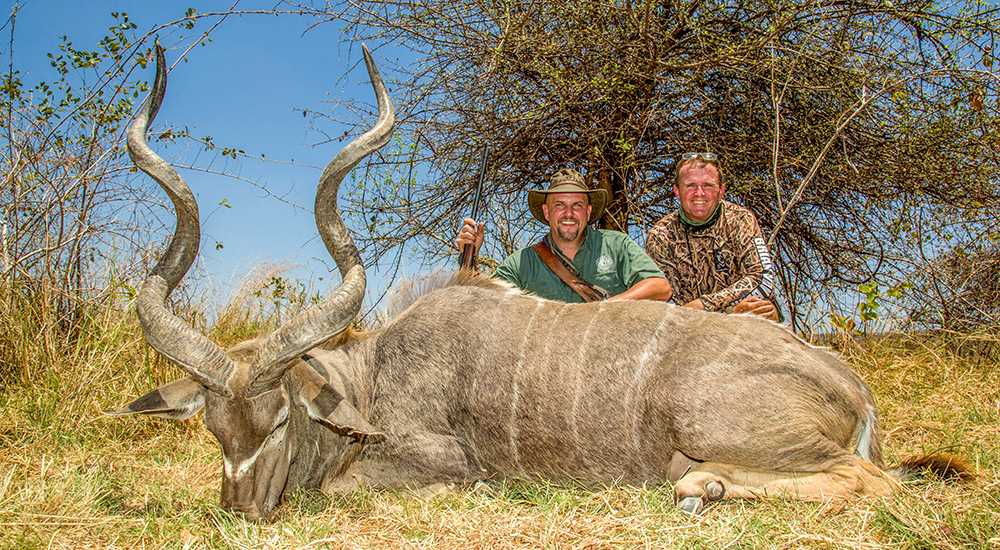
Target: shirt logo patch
{"x": 604, "y": 263}
{"x": 719, "y": 258}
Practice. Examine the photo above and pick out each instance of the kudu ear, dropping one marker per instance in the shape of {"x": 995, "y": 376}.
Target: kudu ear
{"x": 326, "y": 405}
{"x": 178, "y": 400}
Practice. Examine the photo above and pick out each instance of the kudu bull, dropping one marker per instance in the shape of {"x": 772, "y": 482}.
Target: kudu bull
{"x": 479, "y": 381}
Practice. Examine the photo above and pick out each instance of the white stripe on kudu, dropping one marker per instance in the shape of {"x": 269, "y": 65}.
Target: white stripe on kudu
{"x": 516, "y": 390}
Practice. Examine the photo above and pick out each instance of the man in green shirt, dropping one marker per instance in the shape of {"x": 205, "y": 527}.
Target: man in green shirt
{"x": 609, "y": 260}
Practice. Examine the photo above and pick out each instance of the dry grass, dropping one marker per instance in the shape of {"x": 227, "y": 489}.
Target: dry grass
{"x": 72, "y": 478}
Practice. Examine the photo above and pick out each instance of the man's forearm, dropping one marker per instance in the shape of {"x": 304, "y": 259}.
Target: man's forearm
{"x": 650, "y": 288}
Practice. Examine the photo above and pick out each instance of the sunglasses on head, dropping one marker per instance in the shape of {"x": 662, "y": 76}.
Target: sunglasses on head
{"x": 707, "y": 157}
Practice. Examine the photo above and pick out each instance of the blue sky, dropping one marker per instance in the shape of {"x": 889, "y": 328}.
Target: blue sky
{"x": 244, "y": 89}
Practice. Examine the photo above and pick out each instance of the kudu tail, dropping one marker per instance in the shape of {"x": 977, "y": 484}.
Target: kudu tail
{"x": 936, "y": 466}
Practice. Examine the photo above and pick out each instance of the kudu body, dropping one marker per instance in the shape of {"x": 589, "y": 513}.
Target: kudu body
{"x": 477, "y": 380}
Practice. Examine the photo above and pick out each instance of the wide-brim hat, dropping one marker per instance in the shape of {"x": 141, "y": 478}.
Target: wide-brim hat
{"x": 568, "y": 180}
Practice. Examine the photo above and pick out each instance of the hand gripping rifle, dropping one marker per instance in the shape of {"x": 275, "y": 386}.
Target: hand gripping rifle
{"x": 468, "y": 256}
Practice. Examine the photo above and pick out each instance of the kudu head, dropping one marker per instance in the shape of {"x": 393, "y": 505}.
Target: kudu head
{"x": 248, "y": 391}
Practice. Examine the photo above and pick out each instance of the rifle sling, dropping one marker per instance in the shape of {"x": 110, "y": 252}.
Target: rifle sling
{"x": 580, "y": 286}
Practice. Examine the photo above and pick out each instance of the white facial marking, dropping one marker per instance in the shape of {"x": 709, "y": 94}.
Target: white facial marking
{"x": 276, "y": 436}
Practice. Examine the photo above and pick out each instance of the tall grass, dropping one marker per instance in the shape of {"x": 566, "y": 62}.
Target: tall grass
{"x": 73, "y": 478}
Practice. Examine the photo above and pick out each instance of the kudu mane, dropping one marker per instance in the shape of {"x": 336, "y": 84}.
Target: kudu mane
{"x": 409, "y": 291}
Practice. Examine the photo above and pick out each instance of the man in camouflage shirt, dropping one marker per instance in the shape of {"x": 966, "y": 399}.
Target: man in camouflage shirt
{"x": 712, "y": 251}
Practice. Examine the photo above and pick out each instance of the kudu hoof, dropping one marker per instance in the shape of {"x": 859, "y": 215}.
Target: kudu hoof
{"x": 691, "y": 506}
{"x": 714, "y": 491}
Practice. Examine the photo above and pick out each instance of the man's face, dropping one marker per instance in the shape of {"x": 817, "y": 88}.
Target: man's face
{"x": 567, "y": 214}
{"x": 699, "y": 191}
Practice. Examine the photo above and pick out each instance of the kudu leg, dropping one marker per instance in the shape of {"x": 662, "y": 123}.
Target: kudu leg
{"x": 712, "y": 481}
{"x": 407, "y": 461}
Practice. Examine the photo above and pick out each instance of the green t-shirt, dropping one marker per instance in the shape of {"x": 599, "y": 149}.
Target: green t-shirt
{"x": 608, "y": 259}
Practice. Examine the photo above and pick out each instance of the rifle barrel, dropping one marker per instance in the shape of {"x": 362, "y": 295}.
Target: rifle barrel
{"x": 468, "y": 256}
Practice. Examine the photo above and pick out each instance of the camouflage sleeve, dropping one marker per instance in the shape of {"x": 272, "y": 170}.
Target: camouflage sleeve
{"x": 655, "y": 247}
{"x": 752, "y": 261}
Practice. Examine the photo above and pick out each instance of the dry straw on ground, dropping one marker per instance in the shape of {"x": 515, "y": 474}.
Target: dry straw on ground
{"x": 72, "y": 478}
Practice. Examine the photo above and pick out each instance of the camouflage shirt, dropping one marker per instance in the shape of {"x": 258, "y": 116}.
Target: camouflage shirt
{"x": 721, "y": 262}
